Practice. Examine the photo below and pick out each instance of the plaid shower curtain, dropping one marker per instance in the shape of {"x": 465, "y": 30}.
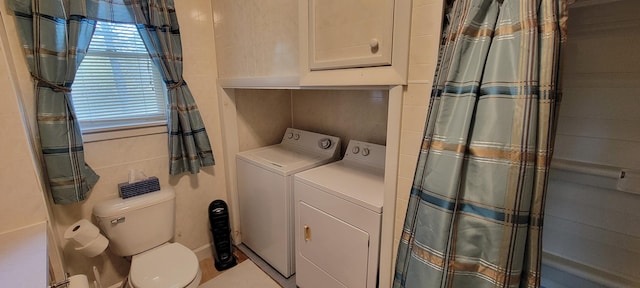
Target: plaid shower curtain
{"x": 477, "y": 203}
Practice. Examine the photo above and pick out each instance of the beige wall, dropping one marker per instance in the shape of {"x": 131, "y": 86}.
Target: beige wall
{"x": 423, "y": 54}
{"x": 22, "y": 202}
{"x": 263, "y": 116}
{"x": 348, "y": 114}
{"x": 21, "y": 177}
{"x": 112, "y": 159}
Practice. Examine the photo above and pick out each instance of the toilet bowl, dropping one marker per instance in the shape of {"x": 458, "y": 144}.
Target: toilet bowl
{"x": 170, "y": 265}
{"x": 142, "y": 227}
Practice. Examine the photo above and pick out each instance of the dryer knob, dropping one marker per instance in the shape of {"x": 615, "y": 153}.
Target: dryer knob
{"x": 365, "y": 152}
{"x": 290, "y": 135}
{"x": 355, "y": 150}
{"x": 296, "y": 136}
{"x": 324, "y": 143}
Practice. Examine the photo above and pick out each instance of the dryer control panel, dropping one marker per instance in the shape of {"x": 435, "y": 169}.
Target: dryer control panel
{"x": 365, "y": 153}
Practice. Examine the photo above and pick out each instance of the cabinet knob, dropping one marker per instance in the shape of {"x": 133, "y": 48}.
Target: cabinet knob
{"x": 374, "y": 44}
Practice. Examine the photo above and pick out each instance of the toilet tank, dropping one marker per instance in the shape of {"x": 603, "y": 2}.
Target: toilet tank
{"x": 139, "y": 223}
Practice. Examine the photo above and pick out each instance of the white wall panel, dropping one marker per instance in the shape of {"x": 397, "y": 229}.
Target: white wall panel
{"x": 588, "y": 223}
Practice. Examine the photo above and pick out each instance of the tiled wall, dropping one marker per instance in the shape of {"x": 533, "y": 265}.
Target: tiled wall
{"x": 348, "y": 114}
{"x": 22, "y": 202}
{"x": 112, "y": 159}
{"x": 423, "y": 49}
{"x": 264, "y": 115}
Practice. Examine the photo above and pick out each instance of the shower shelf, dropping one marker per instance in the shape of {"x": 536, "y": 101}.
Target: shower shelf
{"x": 585, "y": 3}
{"x": 587, "y": 168}
{"x": 603, "y": 176}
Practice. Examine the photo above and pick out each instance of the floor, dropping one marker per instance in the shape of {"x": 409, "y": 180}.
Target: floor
{"x": 243, "y": 275}
{"x": 208, "y": 269}
{"x": 252, "y": 276}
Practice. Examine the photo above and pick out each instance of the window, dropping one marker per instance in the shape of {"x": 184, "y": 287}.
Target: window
{"x": 117, "y": 86}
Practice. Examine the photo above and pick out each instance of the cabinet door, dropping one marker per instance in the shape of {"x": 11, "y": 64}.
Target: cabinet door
{"x": 338, "y": 250}
{"x": 350, "y": 33}
{"x": 256, "y": 42}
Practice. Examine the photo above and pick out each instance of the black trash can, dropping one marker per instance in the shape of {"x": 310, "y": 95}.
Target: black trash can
{"x": 221, "y": 231}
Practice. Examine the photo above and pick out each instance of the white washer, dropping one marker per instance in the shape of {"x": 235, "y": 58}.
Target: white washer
{"x": 265, "y": 182}
{"x": 338, "y": 219}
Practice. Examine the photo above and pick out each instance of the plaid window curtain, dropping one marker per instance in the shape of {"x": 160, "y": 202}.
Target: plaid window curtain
{"x": 477, "y": 203}
{"x": 55, "y": 35}
{"x": 189, "y": 145}
{"x": 55, "y": 39}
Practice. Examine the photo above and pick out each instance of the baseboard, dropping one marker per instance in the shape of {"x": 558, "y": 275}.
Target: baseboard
{"x": 203, "y": 252}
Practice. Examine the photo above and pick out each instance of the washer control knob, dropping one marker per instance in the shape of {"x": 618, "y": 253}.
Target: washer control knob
{"x": 355, "y": 150}
{"x": 296, "y": 136}
{"x": 290, "y": 135}
{"x": 324, "y": 143}
{"x": 365, "y": 151}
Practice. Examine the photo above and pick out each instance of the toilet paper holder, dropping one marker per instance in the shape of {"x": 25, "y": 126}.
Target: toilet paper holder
{"x": 64, "y": 282}
{"x": 75, "y": 281}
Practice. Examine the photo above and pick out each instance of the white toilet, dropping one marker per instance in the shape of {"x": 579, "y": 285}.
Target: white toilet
{"x": 141, "y": 227}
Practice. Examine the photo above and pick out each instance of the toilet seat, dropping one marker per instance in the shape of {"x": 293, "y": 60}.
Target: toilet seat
{"x": 169, "y": 265}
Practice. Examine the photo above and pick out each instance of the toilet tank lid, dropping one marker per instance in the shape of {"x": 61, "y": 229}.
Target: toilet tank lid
{"x": 118, "y": 206}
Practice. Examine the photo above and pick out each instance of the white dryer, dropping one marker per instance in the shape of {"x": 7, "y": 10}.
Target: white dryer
{"x": 265, "y": 183}
{"x": 338, "y": 220}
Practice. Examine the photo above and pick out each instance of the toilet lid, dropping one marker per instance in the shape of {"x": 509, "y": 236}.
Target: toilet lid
{"x": 170, "y": 265}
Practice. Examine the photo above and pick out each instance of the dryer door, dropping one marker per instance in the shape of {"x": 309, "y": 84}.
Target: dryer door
{"x": 338, "y": 250}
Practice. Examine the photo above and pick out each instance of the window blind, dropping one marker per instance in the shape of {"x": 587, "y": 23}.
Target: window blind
{"x": 117, "y": 85}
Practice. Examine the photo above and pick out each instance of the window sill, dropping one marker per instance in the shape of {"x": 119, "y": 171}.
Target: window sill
{"x": 104, "y": 135}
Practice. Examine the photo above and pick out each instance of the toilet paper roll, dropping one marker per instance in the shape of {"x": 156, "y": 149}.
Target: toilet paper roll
{"x": 95, "y": 247}
{"x": 82, "y": 232}
{"x": 78, "y": 281}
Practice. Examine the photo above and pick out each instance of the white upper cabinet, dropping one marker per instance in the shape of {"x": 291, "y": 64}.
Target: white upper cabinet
{"x": 354, "y": 42}
{"x": 257, "y": 43}
{"x": 310, "y": 43}
{"x": 350, "y": 33}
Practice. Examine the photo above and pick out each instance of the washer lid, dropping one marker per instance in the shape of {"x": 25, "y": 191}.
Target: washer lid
{"x": 170, "y": 265}
{"x": 284, "y": 160}
{"x": 282, "y": 157}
